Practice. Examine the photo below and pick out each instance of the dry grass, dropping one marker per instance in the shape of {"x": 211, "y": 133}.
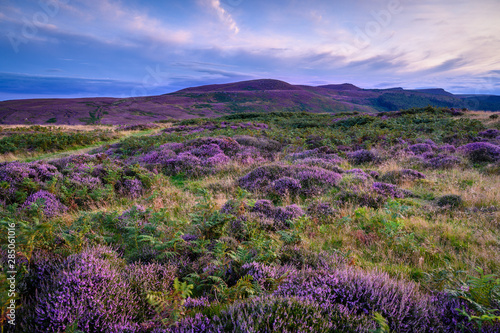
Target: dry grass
{"x": 66, "y": 128}
{"x": 477, "y": 189}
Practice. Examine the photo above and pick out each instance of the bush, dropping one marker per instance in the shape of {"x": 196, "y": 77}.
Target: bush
{"x": 450, "y": 200}
{"x": 45, "y": 201}
{"x": 481, "y": 152}
{"x": 360, "y": 293}
{"x": 312, "y": 180}
{"x": 489, "y": 133}
{"x": 362, "y": 156}
{"x": 400, "y": 176}
{"x": 388, "y": 190}
{"x": 87, "y": 292}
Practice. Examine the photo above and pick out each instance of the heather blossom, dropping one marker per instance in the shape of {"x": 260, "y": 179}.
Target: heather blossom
{"x": 481, "y": 151}
{"x": 48, "y": 202}
{"x": 362, "y": 156}
{"x": 388, "y": 190}
{"x": 312, "y": 180}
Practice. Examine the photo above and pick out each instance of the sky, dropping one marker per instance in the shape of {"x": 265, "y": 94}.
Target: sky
{"x": 122, "y": 48}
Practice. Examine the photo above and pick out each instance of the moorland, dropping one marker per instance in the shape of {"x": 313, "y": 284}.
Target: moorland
{"x": 256, "y": 222}
{"x": 264, "y": 95}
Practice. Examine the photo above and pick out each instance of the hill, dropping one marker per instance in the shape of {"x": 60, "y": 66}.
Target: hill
{"x": 264, "y": 95}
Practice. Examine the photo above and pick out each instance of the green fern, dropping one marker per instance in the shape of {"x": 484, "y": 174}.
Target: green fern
{"x": 383, "y": 325}
{"x": 169, "y": 305}
{"x": 244, "y": 288}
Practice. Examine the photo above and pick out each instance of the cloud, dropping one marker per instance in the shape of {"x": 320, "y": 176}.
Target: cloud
{"x": 224, "y": 16}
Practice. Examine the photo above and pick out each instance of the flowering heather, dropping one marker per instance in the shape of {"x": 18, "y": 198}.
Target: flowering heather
{"x": 174, "y": 146}
{"x": 133, "y": 187}
{"x": 489, "y": 133}
{"x": 362, "y": 293}
{"x": 276, "y": 216}
{"x": 216, "y": 160}
{"x": 249, "y": 155}
{"x": 88, "y": 289}
{"x": 228, "y": 145}
{"x": 158, "y": 156}
{"x": 50, "y": 205}
{"x": 421, "y": 148}
{"x": 357, "y": 174}
{"x": 15, "y": 176}
{"x": 313, "y": 180}
{"x": 201, "y": 302}
{"x": 362, "y": 156}
{"x": 481, "y": 151}
{"x": 286, "y": 186}
{"x": 388, "y": 190}
{"x": 447, "y": 148}
{"x": 262, "y": 143}
{"x": 80, "y": 159}
{"x": 321, "y": 210}
{"x": 443, "y": 161}
{"x": 205, "y": 151}
{"x": 80, "y": 180}
{"x": 183, "y": 163}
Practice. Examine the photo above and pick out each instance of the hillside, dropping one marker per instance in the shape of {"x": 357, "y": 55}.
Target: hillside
{"x": 221, "y": 99}
{"x": 356, "y": 223}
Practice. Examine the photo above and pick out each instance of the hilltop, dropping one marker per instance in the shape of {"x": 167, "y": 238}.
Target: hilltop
{"x": 264, "y": 95}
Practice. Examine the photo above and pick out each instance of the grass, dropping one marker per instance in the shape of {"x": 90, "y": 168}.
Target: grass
{"x": 411, "y": 238}
{"x": 32, "y": 151}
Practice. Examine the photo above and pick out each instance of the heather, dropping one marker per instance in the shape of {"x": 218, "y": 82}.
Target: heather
{"x": 262, "y": 222}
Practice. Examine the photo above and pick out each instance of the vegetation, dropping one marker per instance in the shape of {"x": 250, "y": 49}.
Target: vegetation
{"x": 263, "y": 222}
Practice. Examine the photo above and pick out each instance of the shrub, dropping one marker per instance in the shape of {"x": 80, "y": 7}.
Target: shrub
{"x": 89, "y": 292}
{"x": 312, "y": 180}
{"x": 420, "y": 148}
{"x": 321, "y": 210}
{"x": 357, "y": 174}
{"x": 228, "y": 145}
{"x": 362, "y": 156}
{"x": 489, "y": 133}
{"x": 388, "y": 190}
{"x": 481, "y": 152}
{"x": 450, "y": 200}
{"x": 261, "y": 143}
{"x": 442, "y": 161}
{"x": 46, "y": 201}
{"x": 278, "y": 214}
{"x": 361, "y": 197}
{"x": 361, "y": 293}
{"x": 286, "y": 186}
{"x": 400, "y": 176}
{"x": 17, "y": 179}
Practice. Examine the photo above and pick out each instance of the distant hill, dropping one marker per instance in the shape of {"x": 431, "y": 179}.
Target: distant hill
{"x": 219, "y": 99}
